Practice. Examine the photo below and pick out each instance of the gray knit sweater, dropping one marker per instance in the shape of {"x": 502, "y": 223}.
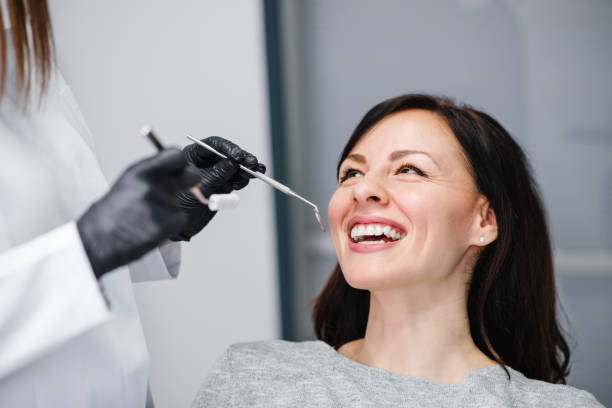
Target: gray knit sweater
{"x": 313, "y": 374}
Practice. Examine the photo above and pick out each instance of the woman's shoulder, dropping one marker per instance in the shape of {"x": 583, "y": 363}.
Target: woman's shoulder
{"x": 530, "y": 392}
{"x": 275, "y": 352}
{"x": 262, "y": 374}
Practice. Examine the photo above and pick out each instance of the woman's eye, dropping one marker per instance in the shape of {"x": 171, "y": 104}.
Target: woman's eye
{"x": 410, "y": 169}
{"x": 349, "y": 173}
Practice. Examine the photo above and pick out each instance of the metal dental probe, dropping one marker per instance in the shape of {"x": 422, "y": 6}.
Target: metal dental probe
{"x": 266, "y": 179}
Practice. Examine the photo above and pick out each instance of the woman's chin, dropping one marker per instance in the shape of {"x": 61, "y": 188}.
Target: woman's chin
{"x": 371, "y": 279}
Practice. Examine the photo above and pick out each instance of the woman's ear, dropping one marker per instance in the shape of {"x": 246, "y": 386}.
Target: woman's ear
{"x": 485, "y": 225}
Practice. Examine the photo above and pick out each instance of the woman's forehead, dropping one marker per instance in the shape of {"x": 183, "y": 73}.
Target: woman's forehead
{"x": 413, "y": 130}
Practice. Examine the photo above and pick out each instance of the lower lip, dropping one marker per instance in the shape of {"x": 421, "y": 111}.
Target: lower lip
{"x": 368, "y": 248}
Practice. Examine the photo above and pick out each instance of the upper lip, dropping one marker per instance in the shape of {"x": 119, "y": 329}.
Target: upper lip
{"x": 375, "y": 220}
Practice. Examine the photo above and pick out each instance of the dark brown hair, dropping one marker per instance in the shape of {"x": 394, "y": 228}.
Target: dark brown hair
{"x": 32, "y": 45}
{"x": 512, "y": 296}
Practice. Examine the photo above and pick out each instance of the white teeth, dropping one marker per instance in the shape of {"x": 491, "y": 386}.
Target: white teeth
{"x": 372, "y": 242}
{"x": 361, "y": 232}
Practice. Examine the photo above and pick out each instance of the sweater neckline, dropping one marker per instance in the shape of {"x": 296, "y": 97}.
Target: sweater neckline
{"x": 345, "y": 363}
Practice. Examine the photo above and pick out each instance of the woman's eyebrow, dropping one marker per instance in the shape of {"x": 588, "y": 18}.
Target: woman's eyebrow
{"x": 398, "y": 154}
{"x": 356, "y": 157}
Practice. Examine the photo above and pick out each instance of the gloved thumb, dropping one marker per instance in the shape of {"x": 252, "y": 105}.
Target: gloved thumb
{"x": 168, "y": 161}
{"x": 169, "y": 169}
{"x": 189, "y": 177}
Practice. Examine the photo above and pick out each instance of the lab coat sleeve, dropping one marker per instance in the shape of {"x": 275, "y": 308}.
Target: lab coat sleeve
{"x": 48, "y": 295}
{"x": 159, "y": 264}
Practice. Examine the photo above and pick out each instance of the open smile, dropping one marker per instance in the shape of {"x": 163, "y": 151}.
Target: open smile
{"x": 368, "y": 234}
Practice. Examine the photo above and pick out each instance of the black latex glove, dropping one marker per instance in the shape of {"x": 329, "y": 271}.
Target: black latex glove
{"x": 218, "y": 176}
{"x": 139, "y": 213}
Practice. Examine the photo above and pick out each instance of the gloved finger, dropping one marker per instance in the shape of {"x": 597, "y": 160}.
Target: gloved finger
{"x": 230, "y": 149}
{"x": 225, "y": 189}
{"x": 216, "y": 176}
{"x": 239, "y": 183}
{"x": 203, "y": 157}
{"x": 240, "y": 180}
{"x": 252, "y": 163}
{"x": 200, "y": 156}
{"x": 258, "y": 167}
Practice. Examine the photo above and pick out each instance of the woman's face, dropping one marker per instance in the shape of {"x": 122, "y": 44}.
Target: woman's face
{"x": 406, "y": 208}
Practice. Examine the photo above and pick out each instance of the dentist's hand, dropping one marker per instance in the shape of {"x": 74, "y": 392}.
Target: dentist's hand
{"x": 139, "y": 213}
{"x": 218, "y": 176}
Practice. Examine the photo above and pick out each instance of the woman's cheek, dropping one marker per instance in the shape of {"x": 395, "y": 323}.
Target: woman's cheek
{"x": 412, "y": 203}
{"x": 337, "y": 207}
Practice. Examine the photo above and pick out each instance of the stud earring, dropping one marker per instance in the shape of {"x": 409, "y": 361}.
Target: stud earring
{"x": 481, "y": 239}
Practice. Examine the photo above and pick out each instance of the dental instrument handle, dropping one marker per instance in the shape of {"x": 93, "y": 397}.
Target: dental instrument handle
{"x": 269, "y": 180}
{"x": 147, "y": 132}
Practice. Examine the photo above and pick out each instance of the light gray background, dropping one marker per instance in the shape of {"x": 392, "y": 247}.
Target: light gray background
{"x": 185, "y": 67}
{"x": 542, "y": 68}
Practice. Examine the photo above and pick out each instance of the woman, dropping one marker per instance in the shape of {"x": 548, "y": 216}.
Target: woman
{"x": 70, "y": 335}
{"x": 444, "y": 291}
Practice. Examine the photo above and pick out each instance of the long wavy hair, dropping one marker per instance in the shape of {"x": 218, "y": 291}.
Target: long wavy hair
{"x": 512, "y": 297}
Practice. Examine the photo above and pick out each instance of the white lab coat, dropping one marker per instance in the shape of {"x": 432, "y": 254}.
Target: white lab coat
{"x": 66, "y": 340}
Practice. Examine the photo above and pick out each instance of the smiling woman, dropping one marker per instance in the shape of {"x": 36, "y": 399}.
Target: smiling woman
{"x": 474, "y": 218}
{"x": 444, "y": 291}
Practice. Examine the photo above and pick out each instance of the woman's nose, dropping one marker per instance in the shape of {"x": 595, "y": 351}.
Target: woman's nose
{"x": 369, "y": 191}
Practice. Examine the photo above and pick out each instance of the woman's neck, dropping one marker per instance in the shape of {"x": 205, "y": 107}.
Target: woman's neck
{"x": 417, "y": 334}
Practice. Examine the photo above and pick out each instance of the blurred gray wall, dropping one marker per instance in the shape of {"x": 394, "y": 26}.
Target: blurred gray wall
{"x": 184, "y": 67}
{"x": 543, "y": 69}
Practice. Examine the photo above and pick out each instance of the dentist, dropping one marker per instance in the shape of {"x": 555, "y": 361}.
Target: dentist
{"x": 70, "y": 246}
